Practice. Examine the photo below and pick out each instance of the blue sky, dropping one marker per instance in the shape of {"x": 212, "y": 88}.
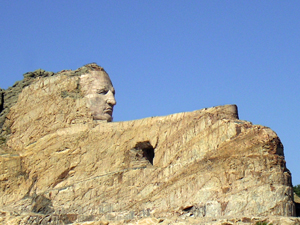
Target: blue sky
{"x": 166, "y": 57}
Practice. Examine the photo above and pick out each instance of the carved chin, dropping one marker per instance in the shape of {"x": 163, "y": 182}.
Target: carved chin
{"x": 106, "y": 117}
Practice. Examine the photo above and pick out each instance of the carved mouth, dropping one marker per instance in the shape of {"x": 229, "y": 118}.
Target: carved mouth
{"x": 108, "y": 111}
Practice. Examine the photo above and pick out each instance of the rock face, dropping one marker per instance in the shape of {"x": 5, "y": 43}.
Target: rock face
{"x": 60, "y": 166}
{"x": 9, "y": 97}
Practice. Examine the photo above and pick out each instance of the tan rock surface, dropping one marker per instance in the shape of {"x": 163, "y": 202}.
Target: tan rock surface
{"x": 201, "y": 167}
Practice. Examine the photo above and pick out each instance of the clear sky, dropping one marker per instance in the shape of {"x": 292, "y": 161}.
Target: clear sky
{"x": 169, "y": 56}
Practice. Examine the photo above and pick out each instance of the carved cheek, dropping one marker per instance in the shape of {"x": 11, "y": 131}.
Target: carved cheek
{"x": 97, "y": 104}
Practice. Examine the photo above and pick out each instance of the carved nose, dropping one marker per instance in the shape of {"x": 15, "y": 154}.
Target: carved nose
{"x": 111, "y": 99}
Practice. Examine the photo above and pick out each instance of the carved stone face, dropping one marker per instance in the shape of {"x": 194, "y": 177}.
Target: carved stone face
{"x": 99, "y": 93}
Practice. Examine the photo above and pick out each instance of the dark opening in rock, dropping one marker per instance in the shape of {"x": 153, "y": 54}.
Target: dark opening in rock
{"x": 279, "y": 149}
{"x": 1, "y": 101}
{"x": 188, "y": 208}
{"x": 148, "y": 150}
{"x": 297, "y": 209}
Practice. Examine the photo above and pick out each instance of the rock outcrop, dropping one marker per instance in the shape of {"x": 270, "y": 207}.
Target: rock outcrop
{"x": 10, "y": 96}
{"x": 58, "y": 165}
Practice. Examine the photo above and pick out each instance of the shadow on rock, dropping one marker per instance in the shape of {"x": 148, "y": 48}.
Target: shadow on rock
{"x": 42, "y": 205}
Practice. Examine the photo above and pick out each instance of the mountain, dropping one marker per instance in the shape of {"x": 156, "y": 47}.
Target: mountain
{"x": 59, "y": 166}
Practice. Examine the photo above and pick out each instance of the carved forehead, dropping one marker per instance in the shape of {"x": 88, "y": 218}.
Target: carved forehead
{"x": 94, "y": 80}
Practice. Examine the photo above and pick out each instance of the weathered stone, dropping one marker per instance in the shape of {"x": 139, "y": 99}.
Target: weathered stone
{"x": 9, "y": 97}
{"x": 201, "y": 167}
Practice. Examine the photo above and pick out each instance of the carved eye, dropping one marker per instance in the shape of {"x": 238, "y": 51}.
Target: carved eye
{"x": 102, "y": 92}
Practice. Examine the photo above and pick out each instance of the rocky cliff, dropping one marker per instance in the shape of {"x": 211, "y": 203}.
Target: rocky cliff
{"x": 60, "y": 166}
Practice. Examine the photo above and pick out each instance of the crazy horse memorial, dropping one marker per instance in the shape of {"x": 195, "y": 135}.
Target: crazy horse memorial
{"x": 64, "y": 161}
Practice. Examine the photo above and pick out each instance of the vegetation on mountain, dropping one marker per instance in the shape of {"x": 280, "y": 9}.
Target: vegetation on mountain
{"x": 297, "y": 189}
